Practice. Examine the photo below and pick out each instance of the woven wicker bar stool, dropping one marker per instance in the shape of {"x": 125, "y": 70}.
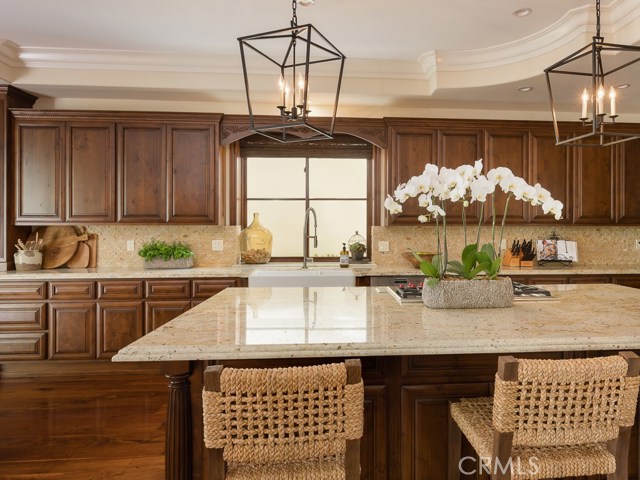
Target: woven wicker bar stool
{"x": 550, "y": 419}
{"x": 301, "y": 423}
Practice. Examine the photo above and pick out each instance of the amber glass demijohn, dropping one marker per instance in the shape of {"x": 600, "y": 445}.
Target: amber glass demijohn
{"x": 255, "y": 242}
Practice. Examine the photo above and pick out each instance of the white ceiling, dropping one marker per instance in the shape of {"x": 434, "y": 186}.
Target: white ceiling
{"x": 404, "y": 57}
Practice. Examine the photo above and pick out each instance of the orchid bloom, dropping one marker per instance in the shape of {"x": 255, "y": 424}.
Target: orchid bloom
{"x": 400, "y": 195}
{"x": 480, "y": 188}
{"x": 497, "y": 175}
{"x": 542, "y": 195}
{"x": 412, "y": 188}
{"x": 423, "y": 218}
{"x": 553, "y": 207}
{"x": 425, "y": 200}
{"x": 435, "y": 210}
{"x": 391, "y": 205}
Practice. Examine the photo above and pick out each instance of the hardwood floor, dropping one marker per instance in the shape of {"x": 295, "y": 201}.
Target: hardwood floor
{"x": 74, "y": 426}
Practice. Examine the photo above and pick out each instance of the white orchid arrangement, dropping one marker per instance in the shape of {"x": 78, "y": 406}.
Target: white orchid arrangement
{"x": 435, "y": 187}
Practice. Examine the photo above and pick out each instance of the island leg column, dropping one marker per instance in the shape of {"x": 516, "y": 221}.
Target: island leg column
{"x": 178, "y": 448}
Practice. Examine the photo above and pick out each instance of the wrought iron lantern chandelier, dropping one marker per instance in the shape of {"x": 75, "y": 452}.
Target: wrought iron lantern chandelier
{"x": 602, "y": 71}
{"x": 288, "y": 58}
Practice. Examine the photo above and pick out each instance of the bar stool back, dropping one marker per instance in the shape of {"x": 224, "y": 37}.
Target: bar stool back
{"x": 276, "y": 423}
{"x": 551, "y": 419}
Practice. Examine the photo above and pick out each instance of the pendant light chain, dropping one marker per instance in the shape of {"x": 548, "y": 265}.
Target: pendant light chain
{"x": 598, "y": 18}
{"x": 294, "y": 18}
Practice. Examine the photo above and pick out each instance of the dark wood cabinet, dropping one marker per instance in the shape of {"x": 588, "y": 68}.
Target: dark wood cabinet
{"x": 455, "y": 148}
{"x": 192, "y": 173}
{"x": 72, "y": 330}
{"x": 39, "y": 175}
{"x": 412, "y": 147}
{"x": 596, "y": 185}
{"x": 159, "y": 312}
{"x": 64, "y": 172}
{"x": 142, "y": 166}
{"x": 504, "y": 148}
{"x": 594, "y": 176}
{"x": 627, "y": 280}
{"x": 106, "y": 167}
{"x": 118, "y": 324}
{"x": 628, "y": 183}
{"x": 91, "y": 172}
{"x": 551, "y": 167}
{"x": 10, "y": 97}
{"x": 89, "y": 319}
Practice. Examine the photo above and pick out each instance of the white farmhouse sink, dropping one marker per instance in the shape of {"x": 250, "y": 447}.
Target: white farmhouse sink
{"x": 299, "y": 277}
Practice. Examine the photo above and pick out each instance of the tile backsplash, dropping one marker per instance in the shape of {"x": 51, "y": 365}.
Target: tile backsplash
{"x": 596, "y": 245}
{"x": 112, "y": 243}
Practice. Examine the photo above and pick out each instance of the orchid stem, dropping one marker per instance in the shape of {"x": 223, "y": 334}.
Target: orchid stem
{"x": 493, "y": 221}
{"x": 464, "y": 224}
{"x": 504, "y": 220}
{"x": 480, "y": 224}
{"x": 446, "y": 249}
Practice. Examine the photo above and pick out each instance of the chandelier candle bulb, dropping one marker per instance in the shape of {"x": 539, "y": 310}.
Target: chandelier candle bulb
{"x": 600, "y": 97}
{"x": 585, "y": 100}
{"x": 612, "y": 97}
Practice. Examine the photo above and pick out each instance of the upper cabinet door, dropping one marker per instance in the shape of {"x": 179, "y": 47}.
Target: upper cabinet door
{"x": 142, "y": 166}
{"x": 91, "y": 166}
{"x": 507, "y": 149}
{"x": 594, "y": 179}
{"x": 192, "y": 174}
{"x": 412, "y": 147}
{"x": 628, "y": 211}
{"x": 39, "y": 160}
{"x": 551, "y": 168}
{"x": 455, "y": 148}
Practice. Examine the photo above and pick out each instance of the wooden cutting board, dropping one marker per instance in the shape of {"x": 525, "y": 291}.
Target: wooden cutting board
{"x": 60, "y": 243}
{"x": 92, "y": 242}
{"x": 80, "y": 258}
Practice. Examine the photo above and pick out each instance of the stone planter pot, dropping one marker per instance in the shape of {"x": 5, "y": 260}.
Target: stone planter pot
{"x": 461, "y": 293}
{"x": 159, "y": 263}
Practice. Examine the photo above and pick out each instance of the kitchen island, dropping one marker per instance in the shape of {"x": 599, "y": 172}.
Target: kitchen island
{"x": 415, "y": 359}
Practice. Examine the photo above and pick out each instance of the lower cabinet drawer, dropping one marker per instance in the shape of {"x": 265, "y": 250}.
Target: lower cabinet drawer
{"x": 168, "y": 289}
{"x": 120, "y": 289}
{"x": 19, "y": 317}
{"x": 23, "y": 346}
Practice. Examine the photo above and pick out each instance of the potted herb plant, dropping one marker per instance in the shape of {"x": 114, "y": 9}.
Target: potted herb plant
{"x": 357, "y": 250}
{"x": 160, "y": 254}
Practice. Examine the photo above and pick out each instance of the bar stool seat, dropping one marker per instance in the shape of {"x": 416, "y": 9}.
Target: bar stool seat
{"x": 325, "y": 469}
{"x": 474, "y": 417}
{"x": 550, "y": 419}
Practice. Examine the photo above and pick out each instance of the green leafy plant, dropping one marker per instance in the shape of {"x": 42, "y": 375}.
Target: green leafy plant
{"x": 357, "y": 247}
{"x": 166, "y": 251}
{"x": 475, "y": 262}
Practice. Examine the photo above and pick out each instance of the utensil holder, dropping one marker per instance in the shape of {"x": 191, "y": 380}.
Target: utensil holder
{"x": 27, "y": 260}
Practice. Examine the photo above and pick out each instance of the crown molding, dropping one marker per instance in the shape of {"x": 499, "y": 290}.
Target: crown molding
{"x": 571, "y": 32}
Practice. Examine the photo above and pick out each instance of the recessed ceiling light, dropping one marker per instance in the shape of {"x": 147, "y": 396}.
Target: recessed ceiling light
{"x": 523, "y": 12}
{"x": 622, "y": 86}
{"x": 525, "y": 89}
{"x": 305, "y": 3}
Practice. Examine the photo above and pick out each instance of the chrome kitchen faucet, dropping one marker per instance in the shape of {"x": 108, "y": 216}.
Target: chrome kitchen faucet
{"x": 306, "y": 236}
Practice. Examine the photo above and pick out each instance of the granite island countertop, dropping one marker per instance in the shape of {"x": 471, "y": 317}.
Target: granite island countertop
{"x": 243, "y": 271}
{"x": 254, "y": 323}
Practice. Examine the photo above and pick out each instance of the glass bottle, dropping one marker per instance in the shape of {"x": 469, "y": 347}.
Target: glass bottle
{"x": 255, "y": 242}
